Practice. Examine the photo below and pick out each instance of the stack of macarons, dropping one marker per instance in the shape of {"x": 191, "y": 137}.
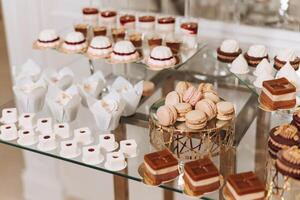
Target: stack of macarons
{"x": 194, "y": 105}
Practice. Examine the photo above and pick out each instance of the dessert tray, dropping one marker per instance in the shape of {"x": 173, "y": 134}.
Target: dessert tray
{"x": 188, "y": 144}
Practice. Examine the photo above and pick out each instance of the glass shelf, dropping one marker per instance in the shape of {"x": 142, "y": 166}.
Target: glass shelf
{"x": 136, "y": 126}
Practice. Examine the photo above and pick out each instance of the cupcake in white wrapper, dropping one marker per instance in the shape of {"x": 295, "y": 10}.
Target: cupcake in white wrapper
{"x": 92, "y": 86}
{"x": 131, "y": 94}
{"x": 29, "y": 69}
{"x": 107, "y": 111}
{"x": 30, "y": 95}
{"x": 62, "y": 78}
{"x": 63, "y": 105}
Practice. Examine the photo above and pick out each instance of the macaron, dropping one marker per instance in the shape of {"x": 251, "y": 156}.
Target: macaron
{"x": 206, "y": 87}
{"x": 192, "y": 96}
{"x": 166, "y": 115}
{"x": 173, "y": 98}
{"x": 182, "y": 109}
{"x": 212, "y": 96}
{"x": 208, "y": 107}
{"x": 182, "y": 86}
{"x": 148, "y": 88}
{"x": 225, "y": 110}
{"x": 195, "y": 119}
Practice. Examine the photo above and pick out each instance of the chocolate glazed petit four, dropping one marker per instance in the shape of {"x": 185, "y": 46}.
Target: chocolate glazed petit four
{"x": 245, "y": 186}
{"x": 286, "y": 55}
{"x": 288, "y": 162}
{"x": 161, "y": 166}
{"x": 201, "y": 176}
{"x": 282, "y": 137}
{"x": 255, "y": 54}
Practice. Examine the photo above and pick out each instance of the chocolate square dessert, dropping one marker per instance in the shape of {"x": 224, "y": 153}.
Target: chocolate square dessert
{"x": 161, "y": 166}
{"x": 245, "y": 186}
{"x": 201, "y": 176}
{"x": 278, "y": 94}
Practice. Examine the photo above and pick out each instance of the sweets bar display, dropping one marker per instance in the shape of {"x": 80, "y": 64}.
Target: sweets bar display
{"x": 172, "y": 128}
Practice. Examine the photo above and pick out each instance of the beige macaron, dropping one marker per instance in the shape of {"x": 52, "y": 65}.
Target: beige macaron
{"x": 195, "y": 119}
{"x": 182, "y": 109}
{"x": 225, "y": 110}
{"x": 212, "y": 96}
{"x": 182, "y": 86}
{"x": 148, "y": 88}
{"x": 206, "y": 87}
{"x": 173, "y": 98}
{"x": 166, "y": 115}
{"x": 208, "y": 107}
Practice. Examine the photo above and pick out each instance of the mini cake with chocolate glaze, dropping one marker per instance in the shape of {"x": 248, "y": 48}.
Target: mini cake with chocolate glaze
{"x": 255, "y": 54}
{"x": 90, "y": 15}
{"x": 284, "y": 56}
{"x": 161, "y": 166}
{"x": 282, "y": 137}
{"x": 100, "y": 47}
{"x": 136, "y": 39}
{"x": 245, "y": 186}
{"x": 82, "y": 28}
{"x": 228, "y": 51}
{"x": 74, "y": 42}
{"x": 201, "y": 176}
{"x": 154, "y": 41}
{"x": 147, "y": 22}
{"x": 288, "y": 162}
{"x": 99, "y": 30}
{"x": 278, "y": 94}
{"x": 166, "y": 24}
{"x": 48, "y": 39}
{"x": 128, "y": 21}
{"x": 118, "y": 34}
{"x": 108, "y": 18}
{"x": 161, "y": 57}
{"x": 123, "y": 52}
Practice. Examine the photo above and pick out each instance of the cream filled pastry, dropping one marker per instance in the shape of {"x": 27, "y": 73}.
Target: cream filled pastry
{"x": 288, "y": 72}
{"x": 161, "y": 57}
{"x": 48, "y": 39}
{"x": 228, "y": 51}
{"x": 255, "y": 54}
{"x": 124, "y": 51}
{"x": 239, "y": 65}
{"x": 264, "y": 67}
{"x": 100, "y": 47}
{"x": 284, "y": 56}
{"x": 74, "y": 42}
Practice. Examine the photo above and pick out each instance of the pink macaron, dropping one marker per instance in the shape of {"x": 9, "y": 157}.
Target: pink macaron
{"x": 192, "y": 96}
{"x": 172, "y": 98}
{"x": 166, "y": 115}
{"x": 208, "y": 107}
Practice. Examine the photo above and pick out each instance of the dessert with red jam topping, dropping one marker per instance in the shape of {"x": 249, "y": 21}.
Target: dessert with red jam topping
{"x": 147, "y": 22}
{"x": 127, "y": 21}
{"x": 166, "y": 24}
{"x": 90, "y": 15}
{"x": 161, "y": 57}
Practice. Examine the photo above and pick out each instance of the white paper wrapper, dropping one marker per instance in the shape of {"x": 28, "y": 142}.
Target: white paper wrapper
{"x": 63, "y": 105}
{"x": 30, "y": 95}
{"x": 92, "y": 86}
{"x": 29, "y": 69}
{"x": 62, "y": 78}
{"x": 131, "y": 94}
{"x": 107, "y": 111}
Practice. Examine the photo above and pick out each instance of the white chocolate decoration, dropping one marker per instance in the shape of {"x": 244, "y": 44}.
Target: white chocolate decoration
{"x": 230, "y": 46}
{"x": 239, "y": 65}
{"x": 257, "y": 51}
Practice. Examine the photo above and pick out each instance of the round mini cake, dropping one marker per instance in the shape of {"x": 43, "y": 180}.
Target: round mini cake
{"x": 108, "y": 18}
{"x": 100, "y": 47}
{"x": 282, "y": 137}
{"x": 166, "y": 24}
{"x": 296, "y": 119}
{"x": 161, "y": 57}
{"x": 228, "y": 51}
{"x": 286, "y": 55}
{"x": 255, "y": 54}
{"x": 48, "y": 39}
{"x": 288, "y": 162}
{"x": 74, "y": 43}
{"x": 90, "y": 15}
{"x": 124, "y": 52}
{"x": 147, "y": 22}
{"x": 128, "y": 21}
